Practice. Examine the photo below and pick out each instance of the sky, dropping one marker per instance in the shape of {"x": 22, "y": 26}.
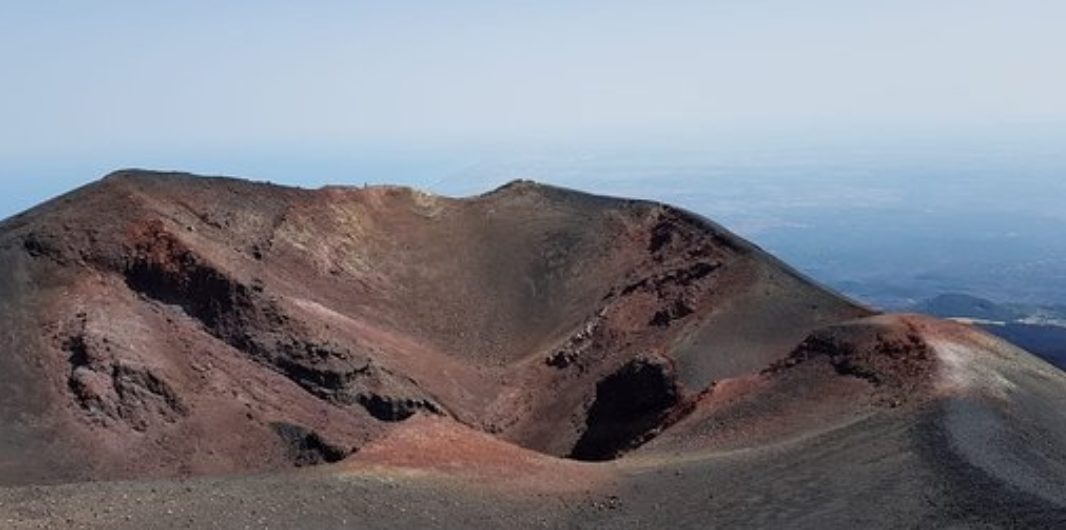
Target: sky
{"x": 312, "y": 92}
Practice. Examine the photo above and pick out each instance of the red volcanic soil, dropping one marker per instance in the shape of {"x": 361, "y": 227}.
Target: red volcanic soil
{"x": 613, "y": 360}
{"x": 837, "y": 375}
{"x": 443, "y": 447}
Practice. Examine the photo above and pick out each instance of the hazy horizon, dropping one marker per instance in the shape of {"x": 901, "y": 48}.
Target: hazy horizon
{"x": 794, "y": 124}
{"x": 211, "y": 87}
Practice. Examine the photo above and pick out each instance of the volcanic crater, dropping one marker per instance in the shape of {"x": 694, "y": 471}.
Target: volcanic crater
{"x": 163, "y": 325}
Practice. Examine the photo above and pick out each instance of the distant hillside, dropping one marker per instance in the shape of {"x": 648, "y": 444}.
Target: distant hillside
{"x": 1048, "y": 342}
{"x": 1040, "y": 330}
{"x": 964, "y": 305}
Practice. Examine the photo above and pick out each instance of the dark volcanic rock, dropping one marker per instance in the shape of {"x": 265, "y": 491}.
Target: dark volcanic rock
{"x": 306, "y": 447}
{"x": 630, "y": 403}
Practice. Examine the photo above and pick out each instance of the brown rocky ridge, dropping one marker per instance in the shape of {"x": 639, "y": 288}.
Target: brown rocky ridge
{"x": 532, "y": 356}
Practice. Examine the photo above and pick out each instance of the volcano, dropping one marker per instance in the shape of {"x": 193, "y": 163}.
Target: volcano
{"x": 202, "y": 351}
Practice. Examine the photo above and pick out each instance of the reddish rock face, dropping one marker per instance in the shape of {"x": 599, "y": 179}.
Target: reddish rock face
{"x": 164, "y": 325}
{"x": 153, "y": 311}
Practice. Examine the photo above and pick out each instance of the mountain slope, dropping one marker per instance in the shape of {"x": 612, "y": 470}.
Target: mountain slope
{"x": 528, "y": 356}
{"x": 148, "y": 312}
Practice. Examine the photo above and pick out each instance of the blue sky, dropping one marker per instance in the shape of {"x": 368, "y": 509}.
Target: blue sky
{"x": 415, "y": 92}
